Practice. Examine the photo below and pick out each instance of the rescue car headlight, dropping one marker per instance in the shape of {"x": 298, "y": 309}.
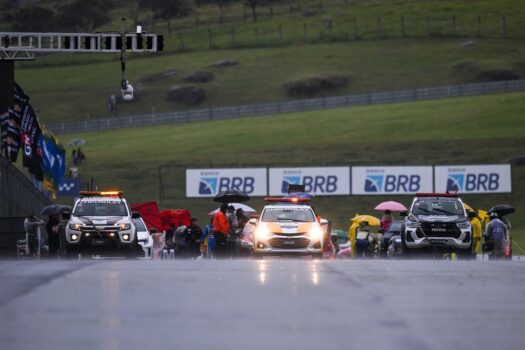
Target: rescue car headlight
{"x": 74, "y": 237}
{"x": 125, "y": 237}
{"x": 465, "y": 225}
{"x": 75, "y": 227}
{"x": 316, "y": 233}
{"x": 123, "y": 227}
{"x": 412, "y": 224}
{"x": 262, "y": 232}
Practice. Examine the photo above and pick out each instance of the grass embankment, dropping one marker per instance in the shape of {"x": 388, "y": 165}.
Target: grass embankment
{"x": 79, "y": 92}
{"x": 475, "y": 130}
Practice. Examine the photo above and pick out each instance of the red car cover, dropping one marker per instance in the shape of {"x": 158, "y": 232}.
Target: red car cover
{"x": 150, "y": 213}
{"x": 175, "y": 216}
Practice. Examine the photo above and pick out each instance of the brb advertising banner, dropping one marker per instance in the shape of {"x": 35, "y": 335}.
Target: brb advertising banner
{"x": 473, "y": 178}
{"x": 209, "y": 182}
{"x": 326, "y": 181}
{"x": 391, "y": 180}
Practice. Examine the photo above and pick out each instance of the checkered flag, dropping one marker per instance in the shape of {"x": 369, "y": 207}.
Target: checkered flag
{"x": 69, "y": 187}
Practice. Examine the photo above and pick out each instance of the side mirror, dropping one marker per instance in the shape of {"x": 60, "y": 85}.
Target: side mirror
{"x": 135, "y": 215}
{"x": 252, "y": 221}
{"x": 323, "y": 222}
{"x": 403, "y": 213}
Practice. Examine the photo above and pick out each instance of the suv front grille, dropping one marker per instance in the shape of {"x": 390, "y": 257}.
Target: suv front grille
{"x": 289, "y": 243}
{"x": 100, "y": 230}
{"x": 439, "y": 229}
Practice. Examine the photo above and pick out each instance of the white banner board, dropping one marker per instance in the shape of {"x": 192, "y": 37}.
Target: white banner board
{"x": 325, "y": 181}
{"x": 209, "y": 182}
{"x": 385, "y": 180}
{"x": 494, "y": 178}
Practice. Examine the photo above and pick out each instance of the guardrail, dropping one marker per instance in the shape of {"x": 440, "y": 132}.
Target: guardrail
{"x": 288, "y": 106}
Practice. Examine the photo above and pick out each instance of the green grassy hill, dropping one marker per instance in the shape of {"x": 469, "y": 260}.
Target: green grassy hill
{"x": 475, "y": 130}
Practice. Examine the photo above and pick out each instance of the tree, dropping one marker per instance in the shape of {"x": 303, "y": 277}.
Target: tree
{"x": 253, "y": 4}
{"x": 167, "y": 9}
{"x": 220, "y": 3}
{"x": 33, "y": 19}
{"x": 84, "y": 15}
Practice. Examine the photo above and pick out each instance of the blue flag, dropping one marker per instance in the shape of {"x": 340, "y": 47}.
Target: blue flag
{"x": 53, "y": 160}
{"x": 69, "y": 187}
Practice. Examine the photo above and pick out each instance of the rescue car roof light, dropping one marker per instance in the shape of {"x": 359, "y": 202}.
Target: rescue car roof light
{"x": 101, "y": 194}
{"x": 432, "y": 194}
{"x": 287, "y": 200}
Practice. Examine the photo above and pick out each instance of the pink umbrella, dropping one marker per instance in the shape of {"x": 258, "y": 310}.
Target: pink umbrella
{"x": 390, "y": 205}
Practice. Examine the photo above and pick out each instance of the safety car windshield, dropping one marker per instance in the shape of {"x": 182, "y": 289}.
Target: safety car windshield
{"x": 100, "y": 209}
{"x": 288, "y": 214}
{"x": 438, "y": 206}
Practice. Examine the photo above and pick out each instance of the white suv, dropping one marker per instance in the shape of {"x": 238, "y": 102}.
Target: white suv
{"x": 101, "y": 223}
{"x": 288, "y": 226}
{"x": 437, "y": 221}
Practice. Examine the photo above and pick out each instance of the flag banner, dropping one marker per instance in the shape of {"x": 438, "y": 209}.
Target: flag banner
{"x": 53, "y": 160}
{"x": 69, "y": 187}
{"x": 10, "y": 131}
{"x": 30, "y": 134}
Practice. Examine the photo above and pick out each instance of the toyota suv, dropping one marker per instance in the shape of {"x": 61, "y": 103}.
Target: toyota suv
{"x": 436, "y": 221}
{"x": 288, "y": 226}
{"x": 101, "y": 223}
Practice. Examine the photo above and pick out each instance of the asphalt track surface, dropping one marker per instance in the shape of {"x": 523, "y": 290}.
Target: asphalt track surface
{"x": 268, "y": 304}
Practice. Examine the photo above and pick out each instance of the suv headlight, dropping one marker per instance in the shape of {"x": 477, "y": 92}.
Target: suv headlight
{"x": 262, "y": 232}
{"x": 316, "y": 234}
{"x": 464, "y": 225}
{"x": 76, "y": 227}
{"x": 411, "y": 224}
{"x": 123, "y": 227}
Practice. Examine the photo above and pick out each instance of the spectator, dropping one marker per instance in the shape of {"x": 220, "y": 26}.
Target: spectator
{"x": 169, "y": 239}
{"x": 75, "y": 157}
{"x": 207, "y": 240}
{"x": 221, "y": 228}
{"x": 80, "y": 156}
{"x": 193, "y": 238}
{"x": 352, "y": 234}
{"x": 31, "y": 226}
{"x": 180, "y": 240}
{"x": 53, "y": 235}
{"x": 386, "y": 220}
{"x": 475, "y": 222}
{"x": 363, "y": 239}
{"x": 495, "y": 235}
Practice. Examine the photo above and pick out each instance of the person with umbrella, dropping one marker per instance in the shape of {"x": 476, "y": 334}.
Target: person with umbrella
{"x": 475, "y": 223}
{"x": 53, "y": 237}
{"x": 221, "y": 227}
{"x": 386, "y": 220}
{"x": 495, "y": 235}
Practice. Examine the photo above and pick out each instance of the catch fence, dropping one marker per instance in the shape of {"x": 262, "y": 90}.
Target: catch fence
{"x": 272, "y": 108}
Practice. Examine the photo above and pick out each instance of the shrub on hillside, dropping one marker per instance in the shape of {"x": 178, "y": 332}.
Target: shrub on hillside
{"x": 498, "y": 75}
{"x": 187, "y": 95}
{"x": 199, "y": 77}
{"x": 316, "y": 85}
{"x": 466, "y": 70}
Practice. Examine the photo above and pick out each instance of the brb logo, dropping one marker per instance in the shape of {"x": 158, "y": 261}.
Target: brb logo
{"x": 312, "y": 184}
{"x": 392, "y": 183}
{"x": 213, "y": 185}
{"x": 465, "y": 182}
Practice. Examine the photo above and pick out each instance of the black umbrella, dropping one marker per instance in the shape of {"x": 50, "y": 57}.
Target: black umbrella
{"x": 55, "y": 209}
{"x": 231, "y": 196}
{"x": 502, "y": 209}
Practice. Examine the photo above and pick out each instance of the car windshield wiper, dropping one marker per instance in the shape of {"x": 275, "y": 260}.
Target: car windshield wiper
{"x": 428, "y": 211}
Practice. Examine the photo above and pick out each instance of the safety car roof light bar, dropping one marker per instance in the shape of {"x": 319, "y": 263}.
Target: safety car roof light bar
{"x": 432, "y": 194}
{"x": 101, "y": 194}
{"x": 287, "y": 200}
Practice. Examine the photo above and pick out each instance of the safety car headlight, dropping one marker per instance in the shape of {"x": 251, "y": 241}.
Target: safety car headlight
{"x": 316, "y": 234}
{"x": 411, "y": 224}
{"x": 75, "y": 237}
{"x": 76, "y": 227}
{"x": 464, "y": 225}
{"x": 123, "y": 227}
{"x": 125, "y": 237}
{"x": 262, "y": 232}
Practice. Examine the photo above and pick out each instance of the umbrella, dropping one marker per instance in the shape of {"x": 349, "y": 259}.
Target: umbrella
{"x": 55, "y": 209}
{"x": 372, "y": 220}
{"x": 244, "y": 208}
{"x": 390, "y": 205}
{"x": 502, "y": 209}
{"x": 231, "y": 196}
{"x": 76, "y": 142}
{"x": 467, "y": 207}
{"x": 482, "y": 214}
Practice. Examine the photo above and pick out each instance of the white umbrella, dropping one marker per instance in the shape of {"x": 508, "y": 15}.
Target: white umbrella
{"x": 244, "y": 207}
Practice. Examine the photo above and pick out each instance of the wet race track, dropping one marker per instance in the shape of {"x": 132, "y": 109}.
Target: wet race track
{"x": 268, "y": 304}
